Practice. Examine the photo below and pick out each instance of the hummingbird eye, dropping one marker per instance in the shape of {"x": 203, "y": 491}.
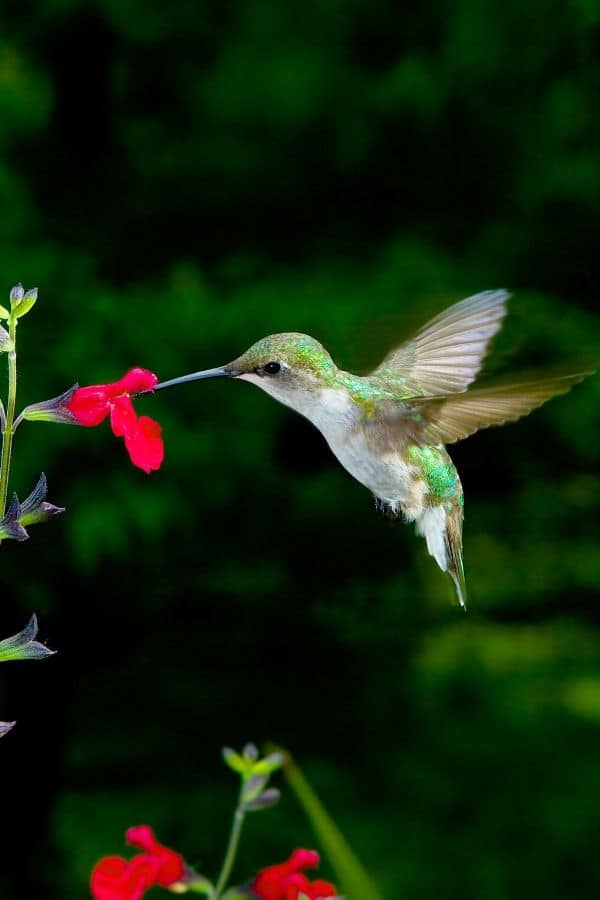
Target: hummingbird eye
{"x": 272, "y": 368}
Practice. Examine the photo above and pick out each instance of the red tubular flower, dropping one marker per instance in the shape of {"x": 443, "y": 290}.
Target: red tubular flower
{"x": 169, "y": 865}
{"x": 142, "y": 435}
{"x": 287, "y": 882}
{"x": 115, "y": 878}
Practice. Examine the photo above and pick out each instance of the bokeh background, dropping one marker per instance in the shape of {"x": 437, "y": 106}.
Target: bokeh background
{"x": 179, "y": 180}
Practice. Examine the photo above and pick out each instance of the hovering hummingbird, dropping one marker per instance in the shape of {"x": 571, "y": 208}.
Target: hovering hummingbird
{"x": 389, "y": 429}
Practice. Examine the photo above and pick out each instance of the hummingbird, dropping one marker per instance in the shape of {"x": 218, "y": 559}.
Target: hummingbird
{"x": 389, "y": 429}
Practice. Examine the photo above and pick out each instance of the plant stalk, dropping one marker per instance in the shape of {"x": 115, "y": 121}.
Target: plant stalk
{"x": 8, "y": 422}
{"x": 232, "y": 846}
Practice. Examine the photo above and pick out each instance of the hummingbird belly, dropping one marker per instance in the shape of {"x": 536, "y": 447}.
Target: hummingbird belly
{"x": 390, "y": 476}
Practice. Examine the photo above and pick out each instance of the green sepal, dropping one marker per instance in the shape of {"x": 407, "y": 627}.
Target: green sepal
{"x": 266, "y": 800}
{"x": 35, "y": 508}
{"x": 10, "y": 527}
{"x": 25, "y": 304}
{"x": 53, "y": 410}
{"x": 23, "y": 644}
{"x": 4, "y": 313}
{"x": 5, "y": 727}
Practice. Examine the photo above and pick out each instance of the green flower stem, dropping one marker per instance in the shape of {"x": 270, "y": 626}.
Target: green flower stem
{"x": 7, "y": 425}
{"x": 232, "y": 846}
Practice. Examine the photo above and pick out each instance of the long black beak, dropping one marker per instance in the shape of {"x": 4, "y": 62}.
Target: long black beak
{"x": 218, "y": 372}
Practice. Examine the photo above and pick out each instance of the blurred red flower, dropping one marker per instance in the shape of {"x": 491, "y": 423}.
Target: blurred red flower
{"x": 170, "y": 866}
{"x": 287, "y": 882}
{"x": 115, "y": 878}
{"x": 142, "y": 435}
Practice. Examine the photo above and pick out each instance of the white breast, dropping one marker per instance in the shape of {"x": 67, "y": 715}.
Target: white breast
{"x": 387, "y": 475}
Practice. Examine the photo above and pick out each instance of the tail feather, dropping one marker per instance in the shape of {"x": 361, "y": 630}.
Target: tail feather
{"x": 442, "y": 531}
{"x": 455, "y": 567}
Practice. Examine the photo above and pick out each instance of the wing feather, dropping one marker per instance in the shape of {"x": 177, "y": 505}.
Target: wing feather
{"x": 446, "y": 354}
{"x": 449, "y": 419}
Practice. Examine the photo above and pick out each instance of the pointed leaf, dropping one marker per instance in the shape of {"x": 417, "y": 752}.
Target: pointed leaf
{"x": 23, "y": 306}
{"x": 4, "y": 313}
{"x": 269, "y": 764}
{"x": 233, "y": 760}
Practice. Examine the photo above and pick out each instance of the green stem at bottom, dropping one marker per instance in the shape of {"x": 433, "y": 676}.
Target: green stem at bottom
{"x": 232, "y": 846}
{"x": 7, "y": 428}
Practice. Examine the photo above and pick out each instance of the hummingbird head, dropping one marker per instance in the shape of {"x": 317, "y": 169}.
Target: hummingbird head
{"x": 292, "y": 367}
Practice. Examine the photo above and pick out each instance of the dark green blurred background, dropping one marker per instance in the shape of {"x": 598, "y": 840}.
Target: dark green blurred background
{"x": 180, "y": 179}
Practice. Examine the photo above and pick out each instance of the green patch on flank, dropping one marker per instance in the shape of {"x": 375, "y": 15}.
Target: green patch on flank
{"x": 438, "y": 471}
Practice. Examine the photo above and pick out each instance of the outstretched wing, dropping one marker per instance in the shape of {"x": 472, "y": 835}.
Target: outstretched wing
{"x": 446, "y": 354}
{"x": 445, "y": 420}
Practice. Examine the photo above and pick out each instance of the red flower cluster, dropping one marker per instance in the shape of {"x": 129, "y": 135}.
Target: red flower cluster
{"x": 142, "y": 435}
{"x": 287, "y": 882}
{"x": 116, "y": 878}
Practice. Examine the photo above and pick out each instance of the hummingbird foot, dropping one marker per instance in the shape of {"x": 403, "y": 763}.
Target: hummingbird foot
{"x": 385, "y": 509}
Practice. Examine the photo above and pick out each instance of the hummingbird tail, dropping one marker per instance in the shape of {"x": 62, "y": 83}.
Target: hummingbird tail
{"x": 455, "y": 567}
{"x": 442, "y": 531}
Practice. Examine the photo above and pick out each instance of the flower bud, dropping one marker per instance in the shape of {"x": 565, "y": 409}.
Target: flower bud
{"x": 53, "y": 410}
{"x": 16, "y": 293}
{"x": 23, "y": 645}
{"x": 35, "y": 508}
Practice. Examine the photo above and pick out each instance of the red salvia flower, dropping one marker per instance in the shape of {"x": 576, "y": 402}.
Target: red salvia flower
{"x": 170, "y": 865}
{"x": 115, "y": 878}
{"x": 142, "y": 435}
{"x": 286, "y": 881}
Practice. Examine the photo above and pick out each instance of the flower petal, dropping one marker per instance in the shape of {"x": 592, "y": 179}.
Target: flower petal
{"x": 115, "y": 878}
{"x": 142, "y": 837}
{"x": 145, "y": 446}
{"x": 90, "y": 405}
{"x": 135, "y": 380}
{"x": 123, "y": 417}
{"x": 170, "y": 866}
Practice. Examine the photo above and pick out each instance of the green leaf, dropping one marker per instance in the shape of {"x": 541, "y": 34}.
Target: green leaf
{"x": 351, "y": 876}
{"x": 4, "y": 313}
{"x": 24, "y": 305}
{"x": 233, "y": 760}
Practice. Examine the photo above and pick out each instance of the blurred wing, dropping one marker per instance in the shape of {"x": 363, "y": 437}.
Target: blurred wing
{"x": 449, "y": 419}
{"x": 446, "y": 354}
